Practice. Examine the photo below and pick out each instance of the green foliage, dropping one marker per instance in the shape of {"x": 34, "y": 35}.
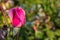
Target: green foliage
{"x": 57, "y": 22}
{"x": 27, "y": 32}
{"x": 39, "y": 35}
{"x": 57, "y": 32}
{"x": 50, "y": 34}
{"x": 58, "y": 38}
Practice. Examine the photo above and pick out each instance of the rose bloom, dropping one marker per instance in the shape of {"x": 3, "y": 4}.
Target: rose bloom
{"x": 17, "y": 16}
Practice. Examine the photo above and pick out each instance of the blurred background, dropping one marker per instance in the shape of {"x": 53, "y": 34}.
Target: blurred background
{"x": 42, "y": 20}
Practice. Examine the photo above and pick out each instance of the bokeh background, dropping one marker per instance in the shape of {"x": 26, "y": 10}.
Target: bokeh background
{"x": 42, "y": 20}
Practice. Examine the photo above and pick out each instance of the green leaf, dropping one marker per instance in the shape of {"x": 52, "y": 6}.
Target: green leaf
{"x": 50, "y": 34}
{"x": 46, "y": 39}
{"x": 30, "y": 37}
{"x": 57, "y": 32}
{"x": 39, "y": 34}
{"x": 57, "y": 20}
{"x": 58, "y": 38}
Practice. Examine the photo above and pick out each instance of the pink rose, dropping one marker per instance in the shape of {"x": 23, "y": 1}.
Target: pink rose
{"x": 17, "y": 16}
